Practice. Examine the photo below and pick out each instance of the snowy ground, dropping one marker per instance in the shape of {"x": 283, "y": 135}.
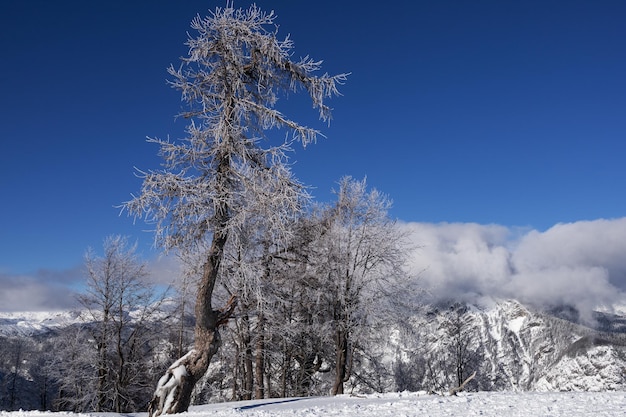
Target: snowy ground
{"x": 596, "y": 404}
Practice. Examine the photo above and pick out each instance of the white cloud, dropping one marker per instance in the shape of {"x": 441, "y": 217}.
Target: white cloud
{"x": 51, "y": 290}
{"x": 598, "y": 243}
{"x": 581, "y": 264}
{"x": 460, "y": 258}
{"x": 165, "y": 270}
{"x": 43, "y": 291}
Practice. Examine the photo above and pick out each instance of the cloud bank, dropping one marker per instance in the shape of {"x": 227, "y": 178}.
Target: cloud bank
{"x": 49, "y": 290}
{"x": 45, "y": 290}
{"x": 582, "y": 264}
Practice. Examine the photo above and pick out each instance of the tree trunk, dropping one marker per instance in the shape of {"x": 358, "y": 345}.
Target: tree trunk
{"x": 102, "y": 377}
{"x": 259, "y": 393}
{"x": 286, "y": 369}
{"x": 248, "y": 378}
{"x": 173, "y": 393}
{"x": 341, "y": 367}
{"x": 260, "y": 360}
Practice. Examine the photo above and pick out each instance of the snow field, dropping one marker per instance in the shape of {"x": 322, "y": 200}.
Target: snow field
{"x": 603, "y": 404}
{"x": 489, "y": 404}
{"x": 493, "y": 404}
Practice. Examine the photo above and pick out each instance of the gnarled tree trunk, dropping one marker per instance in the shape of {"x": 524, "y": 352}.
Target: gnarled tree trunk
{"x": 173, "y": 393}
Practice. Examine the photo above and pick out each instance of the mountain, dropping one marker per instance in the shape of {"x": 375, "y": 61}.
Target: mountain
{"x": 512, "y": 346}
{"x": 35, "y": 323}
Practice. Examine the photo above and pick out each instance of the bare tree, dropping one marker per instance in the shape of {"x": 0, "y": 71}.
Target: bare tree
{"x": 298, "y": 338}
{"x": 363, "y": 248}
{"x": 15, "y": 353}
{"x": 458, "y": 327}
{"x": 71, "y": 362}
{"x": 122, "y": 306}
{"x": 102, "y": 365}
{"x": 450, "y": 350}
{"x": 221, "y": 175}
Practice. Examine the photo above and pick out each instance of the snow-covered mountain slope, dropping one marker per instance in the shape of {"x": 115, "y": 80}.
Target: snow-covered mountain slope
{"x": 35, "y": 323}
{"x": 600, "y": 368}
{"x": 605, "y": 404}
{"x": 514, "y": 347}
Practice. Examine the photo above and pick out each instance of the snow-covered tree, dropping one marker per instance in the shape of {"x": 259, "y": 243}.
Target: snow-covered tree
{"x": 363, "y": 251}
{"x": 71, "y": 363}
{"x": 101, "y": 364}
{"x": 297, "y": 342}
{"x": 123, "y": 307}
{"x": 223, "y": 173}
{"x": 18, "y": 386}
{"x": 459, "y": 329}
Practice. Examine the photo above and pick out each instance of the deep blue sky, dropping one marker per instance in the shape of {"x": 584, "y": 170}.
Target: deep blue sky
{"x": 505, "y": 112}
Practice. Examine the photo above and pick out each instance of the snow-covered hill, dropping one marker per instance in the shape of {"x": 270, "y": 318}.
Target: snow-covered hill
{"x": 605, "y": 404}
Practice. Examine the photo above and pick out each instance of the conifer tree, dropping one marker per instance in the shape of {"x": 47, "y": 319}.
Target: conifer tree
{"x": 227, "y": 170}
